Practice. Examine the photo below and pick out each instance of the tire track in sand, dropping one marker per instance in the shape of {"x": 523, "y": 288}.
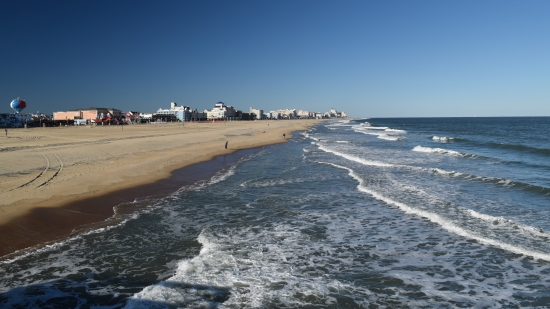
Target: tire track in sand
{"x": 59, "y": 169}
{"x": 38, "y": 176}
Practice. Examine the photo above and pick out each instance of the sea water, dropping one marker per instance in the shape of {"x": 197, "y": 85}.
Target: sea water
{"x": 370, "y": 213}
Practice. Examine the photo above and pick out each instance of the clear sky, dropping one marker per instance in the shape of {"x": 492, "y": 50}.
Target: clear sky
{"x": 367, "y": 58}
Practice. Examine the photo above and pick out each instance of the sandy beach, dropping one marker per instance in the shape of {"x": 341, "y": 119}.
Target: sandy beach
{"x": 53, "y": 180}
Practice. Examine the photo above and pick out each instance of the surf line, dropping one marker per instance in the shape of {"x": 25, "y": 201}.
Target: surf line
{"x": 444, "y": 223}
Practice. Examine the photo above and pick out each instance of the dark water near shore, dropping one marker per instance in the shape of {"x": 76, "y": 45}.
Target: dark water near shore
{"x": 373, "y": 213}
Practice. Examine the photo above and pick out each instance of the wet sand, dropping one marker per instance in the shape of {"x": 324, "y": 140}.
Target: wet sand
{"x": 55, "y": 182}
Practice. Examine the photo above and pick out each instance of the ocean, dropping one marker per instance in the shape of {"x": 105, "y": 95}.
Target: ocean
{"x": 364, "y": 213}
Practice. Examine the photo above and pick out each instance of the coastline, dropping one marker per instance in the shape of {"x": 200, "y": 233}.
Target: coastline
{"x": 56, "y": 181}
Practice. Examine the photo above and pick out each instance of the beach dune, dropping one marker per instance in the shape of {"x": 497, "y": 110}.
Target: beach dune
{"x": 55, "y": 180}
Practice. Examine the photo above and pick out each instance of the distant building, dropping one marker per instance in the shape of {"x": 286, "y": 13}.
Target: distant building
{"x": 69, "y": 115}
{"x": 91, "y": 114}
{"x": 132, "y": 117}
{"x": 256, "y": 114}
{"x": 333, "y": 113}
{"x": 198, "y": 116}
{"x": 146, "y": 116}
{"x": 245, "y": 116}
{"x": 222, "y": 111}
{"x": 283, "y": 114}
{"x": 164, "y": 118}
{"x": 182, "y": 113}
{"x": 15, "y": 120}
{"x": 305, "y": 114}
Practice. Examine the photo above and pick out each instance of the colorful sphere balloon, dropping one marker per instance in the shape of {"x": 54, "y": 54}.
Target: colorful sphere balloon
{"x": 18, "y": 105}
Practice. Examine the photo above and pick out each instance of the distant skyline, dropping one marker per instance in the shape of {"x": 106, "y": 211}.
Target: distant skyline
{"x": 366, "y": 58}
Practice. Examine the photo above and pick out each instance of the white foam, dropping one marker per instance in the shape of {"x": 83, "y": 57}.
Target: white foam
{"x": 384, "y": 133}
{"x": 505, "y": 182}
{"x": 485, "y": 217}
{"x": 311, "y": 137}
{"x": 443, "y": 222}
{"x": 248, "y": 264}
{"x": 256, "y": 183}
{"x": 339, "y": 123}
{"x": 368, "y": 126}
{"x": 221, "y": 176}
{"x": 34, "y": 251}
{"x": 405, "y": 167}
{"x": 396, "y": 131}
{"x": 26, "y": 252}
{"x": 501, "y": 220}
{"x": 382, "y": 164}
{"x": 389, "y": 137}
{"x": 441, "y": 171}
{"x": 354, "y": 158}
{"x": 442, "y": 138}
{"x": 438, "y": 150}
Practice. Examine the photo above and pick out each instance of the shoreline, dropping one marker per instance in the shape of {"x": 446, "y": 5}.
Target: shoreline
{"x": 55, "y": 188}
{"x": 85, "y": 214}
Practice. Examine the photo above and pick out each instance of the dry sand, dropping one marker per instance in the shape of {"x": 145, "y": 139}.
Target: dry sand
{"x": 43, "y": 170}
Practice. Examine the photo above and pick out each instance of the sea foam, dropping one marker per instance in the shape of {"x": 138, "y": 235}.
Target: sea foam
{"x": 442, "y": 138}
{"x": 443, "y": 222}
{"x": 438, "y": 150}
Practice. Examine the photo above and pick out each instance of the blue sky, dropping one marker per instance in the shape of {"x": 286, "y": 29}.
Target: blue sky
{"x": 367, "y": 58}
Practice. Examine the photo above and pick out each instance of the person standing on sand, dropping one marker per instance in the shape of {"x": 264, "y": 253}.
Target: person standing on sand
{"x": 284, "y": 135}
{"x": 6, "y": 132}
{"x": 226, "y": 144}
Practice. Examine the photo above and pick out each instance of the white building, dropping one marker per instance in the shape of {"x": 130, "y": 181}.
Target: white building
{"x": 221, "y": 111}
{"x": 286, "y": 113}
{"x": 302, "y": 114}
{"x": 333, "y": 113}
{"x": 283, "y": 114}
{"x": 183, "y": 113}
{"x": 257, "y": 114}
{"x": 147, "y": 116}
{"x": 274, "y": 115}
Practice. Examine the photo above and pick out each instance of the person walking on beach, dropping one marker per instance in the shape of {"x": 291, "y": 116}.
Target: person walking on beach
{"x": 6, "y": 132}
{"x": 284, "y": 135}
{"x": 226, "y": 144}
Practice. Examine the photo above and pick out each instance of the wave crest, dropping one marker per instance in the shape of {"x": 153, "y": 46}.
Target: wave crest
{"x": 439, "y": 150}
{"x": 443, "y": 138}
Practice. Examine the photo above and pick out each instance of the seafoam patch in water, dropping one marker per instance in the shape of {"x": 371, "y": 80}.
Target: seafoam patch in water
{"x": 438, "y": 150}
{"x": 246, "y": 268}
{"x": 354, "y": 158}
{"x": 389, "y": 137}
{"x": 384, "y": 133}
{"x": 396, "y": 131}
{"x": 444, "y": 222}
{"x": 442, "y": 138}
